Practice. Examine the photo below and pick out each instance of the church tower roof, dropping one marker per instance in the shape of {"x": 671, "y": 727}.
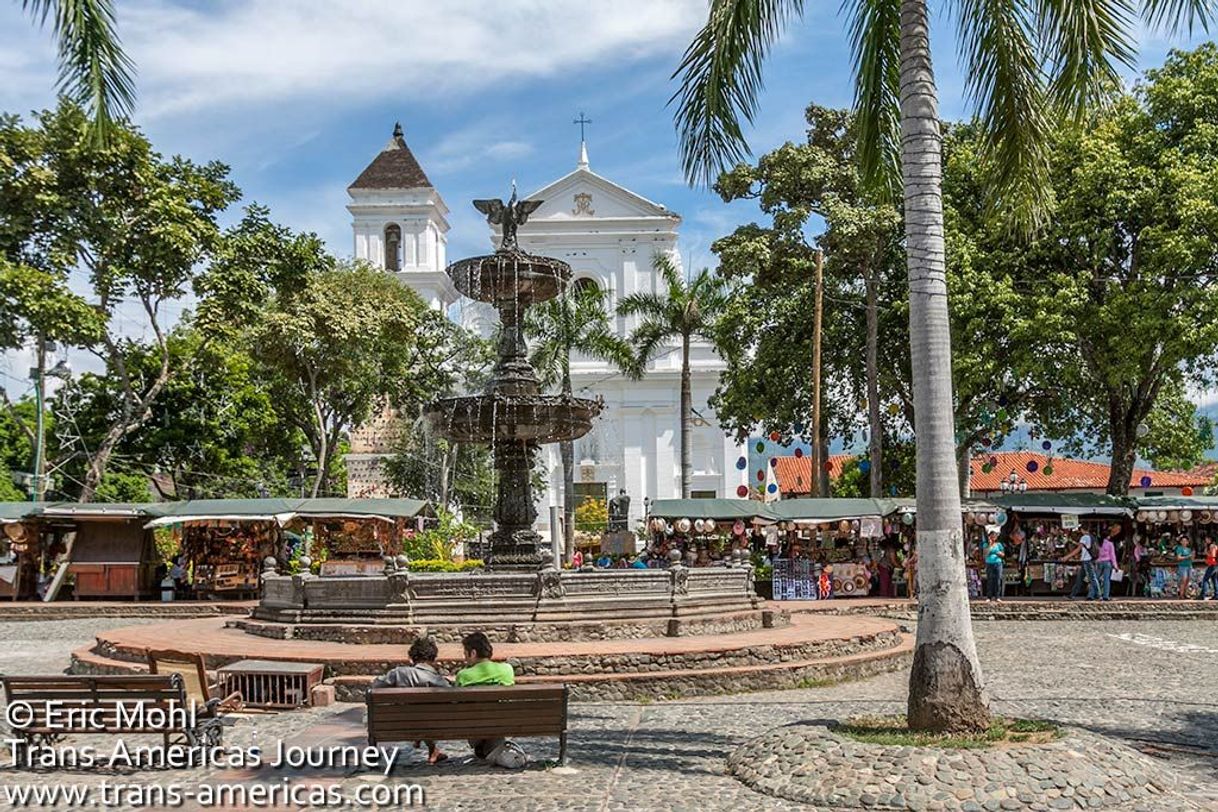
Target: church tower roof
{"x": 394, "y": 167}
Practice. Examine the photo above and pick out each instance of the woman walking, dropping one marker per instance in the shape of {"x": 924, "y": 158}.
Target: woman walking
{"x": 1104, "y": 565}
{"x": 1211, "y": 570}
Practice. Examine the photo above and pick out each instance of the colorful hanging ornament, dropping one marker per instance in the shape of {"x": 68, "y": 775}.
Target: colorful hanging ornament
{"x": 742, "y": 463}
{"x": 865, "y": 465}
{"x": 773, "y": 462}
{"x": 1186, "y": 491}
{"x": 1032, "y": 466}
{"x": 760, "y": 446}
{"x": 772, "y": 488}
{"x": 1046, "y": 445}
{"x": 1145, "y": 481}
{"x": 1048, "y": 469}
{"x": 761, "y": 476}
{"x": 799, "y": 452}
{"x": 742, "y": 491}
{"x": 775, "y": 436}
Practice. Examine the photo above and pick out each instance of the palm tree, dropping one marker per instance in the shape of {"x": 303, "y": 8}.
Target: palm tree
{"x": 575, "y": 320}
{"x": 93, "y": 69}
{"x": 687, "y": 310}
{"x": 1024, "y": 62}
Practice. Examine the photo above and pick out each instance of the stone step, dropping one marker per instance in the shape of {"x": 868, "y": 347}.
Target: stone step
{"x": 635, "y": 685}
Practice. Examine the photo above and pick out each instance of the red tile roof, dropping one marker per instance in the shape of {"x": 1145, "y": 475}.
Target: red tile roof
{"x": 794, "y": 474}
{"x": 1068, "y": 474}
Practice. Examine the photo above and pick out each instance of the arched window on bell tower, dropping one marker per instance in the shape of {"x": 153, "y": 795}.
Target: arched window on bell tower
{"x": 393, "y": 247}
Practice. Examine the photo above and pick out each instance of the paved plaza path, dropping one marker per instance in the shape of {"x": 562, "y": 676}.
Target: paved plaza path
{"x": 1151, "y": 683}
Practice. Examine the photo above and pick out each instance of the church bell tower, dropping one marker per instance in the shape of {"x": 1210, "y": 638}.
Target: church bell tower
{"x": 399, "y": 222}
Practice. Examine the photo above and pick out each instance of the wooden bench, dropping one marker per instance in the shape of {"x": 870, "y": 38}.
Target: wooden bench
{"x": 94, "y": 701}
{"x": 483, "y": 712}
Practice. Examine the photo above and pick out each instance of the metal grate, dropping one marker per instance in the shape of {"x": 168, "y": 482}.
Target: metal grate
{"x": 269, "y": 684}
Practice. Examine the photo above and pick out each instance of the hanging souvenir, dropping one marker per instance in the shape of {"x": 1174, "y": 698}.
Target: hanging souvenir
{"x": 742, "y": 491}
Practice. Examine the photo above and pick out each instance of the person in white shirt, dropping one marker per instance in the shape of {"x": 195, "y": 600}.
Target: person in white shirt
{"x": 1084, "y": 553}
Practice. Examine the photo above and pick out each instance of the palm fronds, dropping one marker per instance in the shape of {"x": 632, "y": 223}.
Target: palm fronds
{"x": 93, "y": 69}
{"x": 720, "y": 79}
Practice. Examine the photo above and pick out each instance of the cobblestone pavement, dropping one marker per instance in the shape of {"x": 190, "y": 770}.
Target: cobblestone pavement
{"x": 1146, "y": 682}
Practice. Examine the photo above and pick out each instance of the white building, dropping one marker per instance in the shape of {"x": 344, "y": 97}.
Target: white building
{"x": 608, "y": 235}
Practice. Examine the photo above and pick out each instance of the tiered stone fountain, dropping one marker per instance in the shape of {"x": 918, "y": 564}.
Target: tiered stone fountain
{"x": 522, "y": 594}
{"x": 512, "y": 415}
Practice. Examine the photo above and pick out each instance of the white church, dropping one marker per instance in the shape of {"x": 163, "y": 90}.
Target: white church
{"x": 608, "y": 235}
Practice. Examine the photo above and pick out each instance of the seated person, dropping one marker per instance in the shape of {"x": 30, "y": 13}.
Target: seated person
{"x": 604, "y": 561}
{"x": 421, "y": 673}
{"x": 482, "y": 670}
{"x": 639, "y": 563}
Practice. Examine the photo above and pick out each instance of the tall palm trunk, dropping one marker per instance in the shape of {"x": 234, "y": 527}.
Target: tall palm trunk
{"x": 687, "y": 464}
{"x": 945, "y": 685}
{"x": 566, "y": 450}
{"x": 875, "y": 452}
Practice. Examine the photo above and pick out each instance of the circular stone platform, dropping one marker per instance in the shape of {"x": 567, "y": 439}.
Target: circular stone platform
{"x": 809, "y": 763}
{"x": 810, "y": 649}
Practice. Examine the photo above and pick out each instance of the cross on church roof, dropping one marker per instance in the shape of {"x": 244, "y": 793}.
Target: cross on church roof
{"x": 581, "y": 121}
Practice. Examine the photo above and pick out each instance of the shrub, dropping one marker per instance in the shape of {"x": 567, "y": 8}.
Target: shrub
{"x": 444, "y": 565}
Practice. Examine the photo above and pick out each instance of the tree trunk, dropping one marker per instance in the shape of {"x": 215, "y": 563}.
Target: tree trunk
{"x": 822, "y": 466}
{"x": 945, "y": 684}
{"x": 964, "y": 462}
{"x": 1124, "y": 447}
{"x": 687, "y": 464}
{"x": 875, "y": 451}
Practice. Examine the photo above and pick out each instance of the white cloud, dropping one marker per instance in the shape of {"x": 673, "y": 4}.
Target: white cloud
{"x": 260, "y": 52}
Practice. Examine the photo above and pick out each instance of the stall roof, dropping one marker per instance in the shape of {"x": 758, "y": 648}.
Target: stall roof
{"x": 379, "y": 508}
{"x": 1094, "y": 504}
{"x": 719, "y": 509}
{"x": 284, "y": 510}
{"x": 102, "y": 510}
{"x": 829, "y": 509}
{"x": 1178, "y": 502}
{"x": 17, "y": 511}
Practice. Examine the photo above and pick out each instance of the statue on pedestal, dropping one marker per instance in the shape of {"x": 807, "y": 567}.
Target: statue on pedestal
{"x": 619, "y": 512}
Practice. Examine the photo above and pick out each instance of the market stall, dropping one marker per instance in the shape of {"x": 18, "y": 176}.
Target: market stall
{"x": 107, "y": 550}
{"x": 353, "y": 536}
{"x": 1165, "y": 525}
{"x": 223, "y": 543}
{"x": 707, "y": 532}
{"x": 1040, "y": 528}
{"x": 835, "y": 548}
{"x": 18, "y": 550}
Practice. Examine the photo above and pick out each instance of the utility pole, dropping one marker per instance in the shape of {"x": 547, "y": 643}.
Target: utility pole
{"x": 40, "y": 376}
{"x": 818, "y": 463}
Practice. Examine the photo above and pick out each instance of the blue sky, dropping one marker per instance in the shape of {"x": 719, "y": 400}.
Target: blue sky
{"x": 298, "y": 96}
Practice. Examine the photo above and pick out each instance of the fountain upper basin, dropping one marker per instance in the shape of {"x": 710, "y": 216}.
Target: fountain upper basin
{"x": 510, "y": 276}
{"x": 535, "y": 418}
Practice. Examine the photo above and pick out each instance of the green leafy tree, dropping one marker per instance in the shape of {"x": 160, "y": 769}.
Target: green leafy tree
{"x": 211, "y": 434}
{"x": 686, "y": 311}
{"x": 137, "y": 225}
{"x": 576, "y": 321}
{"x": 1022, "y": 63}
{"x": 767, "y": 332}
{"x": 1117, "y": 296}
{"x": 338, "y": 343}
{"x": 94, "y": 72}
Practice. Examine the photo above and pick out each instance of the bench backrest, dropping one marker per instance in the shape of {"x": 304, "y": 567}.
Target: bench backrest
{"x": 188, "y": 665}
{"x": 413, "y": 714}
{"x": 90, "y": 704}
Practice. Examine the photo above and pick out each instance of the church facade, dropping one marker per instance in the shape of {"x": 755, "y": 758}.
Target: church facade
{"x": 609, "y": 236}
